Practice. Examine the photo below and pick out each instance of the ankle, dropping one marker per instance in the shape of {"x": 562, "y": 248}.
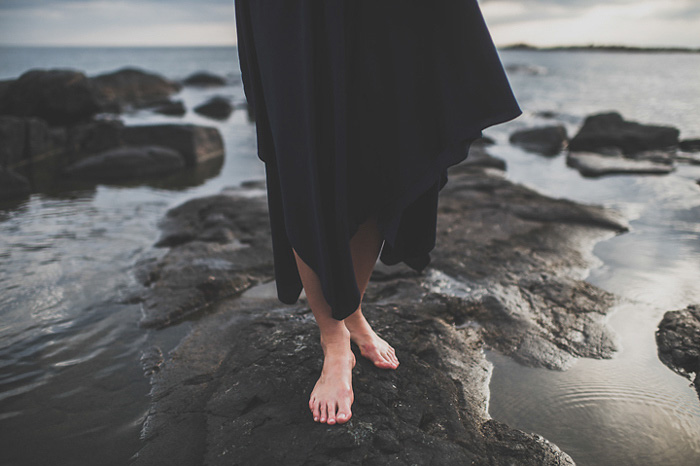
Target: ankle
{"x": 336, "y": 339}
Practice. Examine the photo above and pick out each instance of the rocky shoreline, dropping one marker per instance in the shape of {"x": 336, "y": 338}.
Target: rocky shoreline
{"x": 506, "y": 274}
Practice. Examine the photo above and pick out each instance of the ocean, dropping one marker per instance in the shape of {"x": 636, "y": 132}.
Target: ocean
{"x": 71, "y": 385}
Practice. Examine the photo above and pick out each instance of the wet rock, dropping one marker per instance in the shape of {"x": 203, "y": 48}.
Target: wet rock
{"x": 690, "y": 145}
{"x": 127, "y": 163}
{"x": 198, "y": 144}
{"x": 12, "y": 185}
{"x": 508, "y": 273}
{"x": 203, "y": 78}
{"x": 220, "y": 246}
{"x": 546, "y": 140}
{"x": 592, "y": 165}
{"x": 217, "y": 107}
{"x": 132, "y": 87}
{"x": 87, "y": 139}
{"x": 479, "y": 157}
{"x": 27, "y": 140}
{"x": 656, "y": 156}
{"x": 611, "y": 130}
{"x": 678, "y": 342}
{"x": 170, "y": 107}
{"x": 237, "y": 387}
{"x": 11, "y": 140}
{"x": 58, "y": 96}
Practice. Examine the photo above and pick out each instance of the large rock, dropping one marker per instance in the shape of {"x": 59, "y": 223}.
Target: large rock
{"x": 12, "y": 140}
{"x": 592, "y": 165}
{"x": 606, "y": 130}
{"x": 132, "y": 87}
{"x": 204, "y": 78}
{"x": 126, "y": 163}
{"x": 690, "y": 145}
{"x": 546, "y": 140}
{"x": 197, "y": 144}
{"x": 12, "y": 185}
{"x": 24, "y": 141}
{"x": 59, "y": 96}
{"x": 678, "y": 342}
{"x": 87, "y": 139}
{"x": 217, "y": 107}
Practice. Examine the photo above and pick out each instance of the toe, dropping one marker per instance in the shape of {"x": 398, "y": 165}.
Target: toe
{"x": 324, "y": 412}
{"x": 331, "y": 413}
{"x": 317, "y": 411}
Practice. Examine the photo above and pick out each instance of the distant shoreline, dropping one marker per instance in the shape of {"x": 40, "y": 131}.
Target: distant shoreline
{"x": 603, "y": 48}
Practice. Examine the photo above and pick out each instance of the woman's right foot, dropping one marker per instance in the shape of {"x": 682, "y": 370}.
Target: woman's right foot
{"x": 332, "y": 395}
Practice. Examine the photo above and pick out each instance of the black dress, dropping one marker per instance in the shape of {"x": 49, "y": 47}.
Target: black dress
{"x": 360, "y": 108}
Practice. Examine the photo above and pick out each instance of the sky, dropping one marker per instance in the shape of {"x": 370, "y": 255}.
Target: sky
{"x": 655, "y": 23}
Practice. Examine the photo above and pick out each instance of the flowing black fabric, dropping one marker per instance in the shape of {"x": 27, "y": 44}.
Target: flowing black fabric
{"x": 360, "y": 108}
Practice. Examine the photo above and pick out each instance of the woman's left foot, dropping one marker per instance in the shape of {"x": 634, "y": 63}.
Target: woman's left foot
{"x": 371, "y": 345}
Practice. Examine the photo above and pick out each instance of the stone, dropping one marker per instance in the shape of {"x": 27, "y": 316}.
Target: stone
{"x": 198, "y": 144}
{"x": 217, "y": 107}
{"x": 170, "y": 107}
{"x": 592, "y": 165}
{"x": 132, "y": 87}
{"x": 13, "y": 186}
{"x": 204, "y": 78}
{"x": 126, "y": 163}
{"x": 678, "y": 342}
{"x": 58, "y": 96}
{"x": 690, "y": 145}
{"x": 545, "y": 140}
{"x": 610, "y": 129}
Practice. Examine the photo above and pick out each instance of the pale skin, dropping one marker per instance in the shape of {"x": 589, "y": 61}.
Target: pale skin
{"x": 332, "y": 396}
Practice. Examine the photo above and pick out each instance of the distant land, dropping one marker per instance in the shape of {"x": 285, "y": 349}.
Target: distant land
{"x": 603, "y": 48}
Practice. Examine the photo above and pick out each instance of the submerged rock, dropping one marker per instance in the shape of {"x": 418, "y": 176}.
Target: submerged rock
{"x": 611, "y": 130}
{"x": 690, "y": 145}
{"x": 678, "y": 342}
{"x": 126, "y": 163}
{"x": 592, "y": 165}
{"x": 507, "y": 273}
{"x": 546, "y": 140}
{"x": 217, "y": 107}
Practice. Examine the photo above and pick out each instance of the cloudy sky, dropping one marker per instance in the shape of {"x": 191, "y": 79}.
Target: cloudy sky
{"x": 211, "y": 22}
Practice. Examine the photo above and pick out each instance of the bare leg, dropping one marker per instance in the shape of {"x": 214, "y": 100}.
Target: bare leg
{"x": 365, "y": 247}
{"x": 332, "y": 395}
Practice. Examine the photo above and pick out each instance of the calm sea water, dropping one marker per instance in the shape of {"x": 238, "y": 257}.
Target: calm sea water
{"x": 71, "y": 387}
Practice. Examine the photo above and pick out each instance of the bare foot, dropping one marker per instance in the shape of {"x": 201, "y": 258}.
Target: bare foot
{"x": 332, "y": 395}
{"x": 371, "y": 345}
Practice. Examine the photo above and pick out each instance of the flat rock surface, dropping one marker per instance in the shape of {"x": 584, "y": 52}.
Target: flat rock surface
{"x": 506, "y": 273}
{"x": 678, "y": 342}
{"x": 590, "y": 164}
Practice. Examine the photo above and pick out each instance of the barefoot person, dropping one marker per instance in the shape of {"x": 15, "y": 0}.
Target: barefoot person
{"x": 360, "y": 108}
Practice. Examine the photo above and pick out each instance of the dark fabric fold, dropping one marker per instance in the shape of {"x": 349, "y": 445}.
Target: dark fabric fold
{"x": 361, "y": 106}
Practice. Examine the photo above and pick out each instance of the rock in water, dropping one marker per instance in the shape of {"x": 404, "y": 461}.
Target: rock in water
{"x": 592, "y": 165}
{"x": 203, "y": 78}
{"x": 128, "y": 162}
{"x": 678, "y": 342}
{"x": 606, "y": 130}
{"x": 217, "y": 107}
{"x": 59, "y": 96}
{"x": 198, "y": 144}
{"x": 547, "y": 140}
{"x": 12, "y": 185}
{"x": 132, "y": 87}
{"x": 690, "y": 145}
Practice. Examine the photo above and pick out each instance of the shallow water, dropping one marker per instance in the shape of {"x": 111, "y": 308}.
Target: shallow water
{"x": 71, "y": 385}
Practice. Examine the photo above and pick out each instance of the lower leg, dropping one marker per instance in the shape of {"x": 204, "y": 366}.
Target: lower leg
{"x": 365, "y": 246}
{"x": 332, "y": 395}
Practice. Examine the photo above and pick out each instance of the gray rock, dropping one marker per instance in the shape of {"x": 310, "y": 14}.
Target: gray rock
{"x": 24, "y": 141}
{"x": 12, "y": 185}
{"x": 479, "y": 157}
{"x": 690, "y": 145}
{"x": 197, "y": 144}
{"x": 678, "y": 342}
{"x": 170, "y": 107}
{"x": 610, "y": 130}
{"x": 204, "y": 78}
{"x": 58, "y": 96}
{"x": 12, "y": 139}
{"x": 592, "y": 165}
{"x": 87, "y": 139}
{"x": 507, "y": 273}
{"x": 546, "y": 140}
{"x": 126, "y": 163}
{"x": 132, "y": 87}
{"x": 217, "y": 107}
